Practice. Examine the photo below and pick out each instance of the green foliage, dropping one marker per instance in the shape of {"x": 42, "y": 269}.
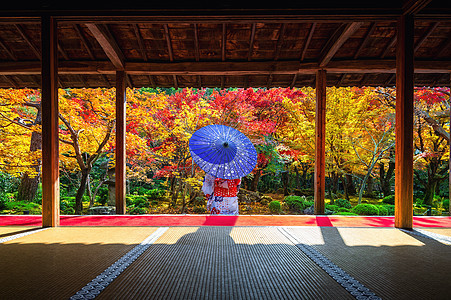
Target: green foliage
{"x": 8, "y": 183}
{"x": 389, "y": 199}
{"x": 155, "y": 194}
{"x": 132, "y": 210}
{"x": 137, "y": 201}
{"x": 102, "y": 194}
{"x": 446, "y": 204}
{"x": 265, "y": 200}
{"x": 275, "y": 206}
{"x": 345, "y": 213}
{"x": 296, "y": 203}
{"x": 365, "y": 209}
{"x": 383, "y": 211}
{"x": 343, "y": 203}
{"x": 390, "y": 210}
{"x": 332, "y": 207}
{"x": 67, "y": 205}
{"x": 3, "y": 200}
{"x": 344, "y": 209}
{"x": 22, "y": 207}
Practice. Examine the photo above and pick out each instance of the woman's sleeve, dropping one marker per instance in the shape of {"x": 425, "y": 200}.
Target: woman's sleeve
{"x": 208, "y": 185}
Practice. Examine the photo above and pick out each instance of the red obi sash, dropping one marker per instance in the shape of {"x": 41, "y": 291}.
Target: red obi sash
{"x": 226, "y": 187}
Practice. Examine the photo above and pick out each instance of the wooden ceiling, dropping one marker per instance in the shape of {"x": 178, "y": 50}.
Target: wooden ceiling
{"x": 201, "y": 45}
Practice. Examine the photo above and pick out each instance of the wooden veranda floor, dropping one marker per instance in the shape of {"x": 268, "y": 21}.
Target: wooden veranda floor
{"x": 224, "y": 262}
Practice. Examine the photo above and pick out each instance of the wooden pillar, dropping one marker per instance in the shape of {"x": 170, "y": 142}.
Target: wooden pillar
{"x": 320, "y": 142}
{"x": 404, "y": 124}
{"x": 50, "y": 146}
{"x": 120, "y": 142}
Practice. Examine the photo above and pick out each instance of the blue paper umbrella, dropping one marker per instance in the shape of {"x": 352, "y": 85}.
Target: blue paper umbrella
{"x": 223, "y": 151}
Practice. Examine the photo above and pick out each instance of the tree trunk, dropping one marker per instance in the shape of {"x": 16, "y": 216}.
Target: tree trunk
{"x": 28, "y": 188}
{"x": 350, "y": 185}
{"x": 29, "y": 185}
{"x": 285, "y": 181}
{"x": 81, "y": 191}
{"x": 369, "y": 187}
{"x": 88, "y": 188}
{"x": 345, "y": 187}
{"x": 298, "y": 178}
{"x": 385, "y": 177}
{"x": 255, "y": 180}
{"x": 429, "y": 192}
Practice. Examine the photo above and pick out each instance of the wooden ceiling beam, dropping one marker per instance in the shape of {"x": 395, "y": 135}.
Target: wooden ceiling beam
{"x": 307, "y": 40}
{"x": 224, "y": 41}
{"x": 365, "y": 39}
{"x": 443, "y": 47}
{"x": 389, "y": 46}
{"x": 108, "y": 44}
{"x": 280, "y": 41}
{"x": 26, "y": 38}
{"x": 225, "y": 68}
{"x": 293, "y": 82}
{"x": 11, "y": 81}
{"x": 336, "y": 41}
{"x": 139, "y": 38}
{"x": 168, "y": 42}
{"x": 8, "y": 51}
{"x": 412, "y": 7}
{"x": 107, "y": 82}
{"x": 251, "y": 42}
{"x": 425, "y": 36}
{"x": 82, "y": 37}
{"x": 63, "y": 53}
{"x": 196, "y": 44}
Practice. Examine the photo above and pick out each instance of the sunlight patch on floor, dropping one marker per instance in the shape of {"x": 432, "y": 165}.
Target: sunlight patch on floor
{"x": 377, "y": 237}
{"x": 88, "y": 236}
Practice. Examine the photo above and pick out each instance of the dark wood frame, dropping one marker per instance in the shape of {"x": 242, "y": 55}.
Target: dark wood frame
{"x": 96, "y": 22}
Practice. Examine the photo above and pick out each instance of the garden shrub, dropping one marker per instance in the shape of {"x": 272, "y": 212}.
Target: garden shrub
{"x": 274, "y": 206}
{"x": 446, "y": 204}
{"x": 343, "y": 203}
{"x": 389, "y": 199}
{"x": 332, "y": 207}
{"x": 18, "y": 207}
{"x": 346, "y": 213}
{"x": 383, "y": 211}
{"x": 390, "y": 210}
{"x": 266, "y": 199}
{"x": 103, "y": 195}
{"x": 344, "y": 209}
{"x": 295, "y": 203}
{"x": 155, "y": 194}
{"x": 136, "y": 210}
{"x": 3, "y": 201}
{"x": 137, "y": 201}
{"x": 67, "y": 205}
{"x": 366, "y": 209}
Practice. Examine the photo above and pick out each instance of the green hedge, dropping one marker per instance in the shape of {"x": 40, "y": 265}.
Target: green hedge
{"x": 389, "y": 199}
{"x": 343, "y": 203}
{"x": 275, "y": 206}
{"x": 365, "y": 209}
{"x": 296, "y": 203}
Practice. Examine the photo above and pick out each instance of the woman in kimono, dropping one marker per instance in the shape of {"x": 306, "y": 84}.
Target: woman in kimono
{"x": 221, "y": 195}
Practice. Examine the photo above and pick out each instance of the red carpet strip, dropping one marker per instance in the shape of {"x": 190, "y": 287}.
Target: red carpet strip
{"x": 207, "y": 220}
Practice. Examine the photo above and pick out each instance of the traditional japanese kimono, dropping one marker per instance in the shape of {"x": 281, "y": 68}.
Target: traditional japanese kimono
{"x": 221, "y": 195}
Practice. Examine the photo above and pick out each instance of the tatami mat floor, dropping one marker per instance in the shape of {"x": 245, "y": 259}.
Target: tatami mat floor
{"x": 224, "y": 262}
